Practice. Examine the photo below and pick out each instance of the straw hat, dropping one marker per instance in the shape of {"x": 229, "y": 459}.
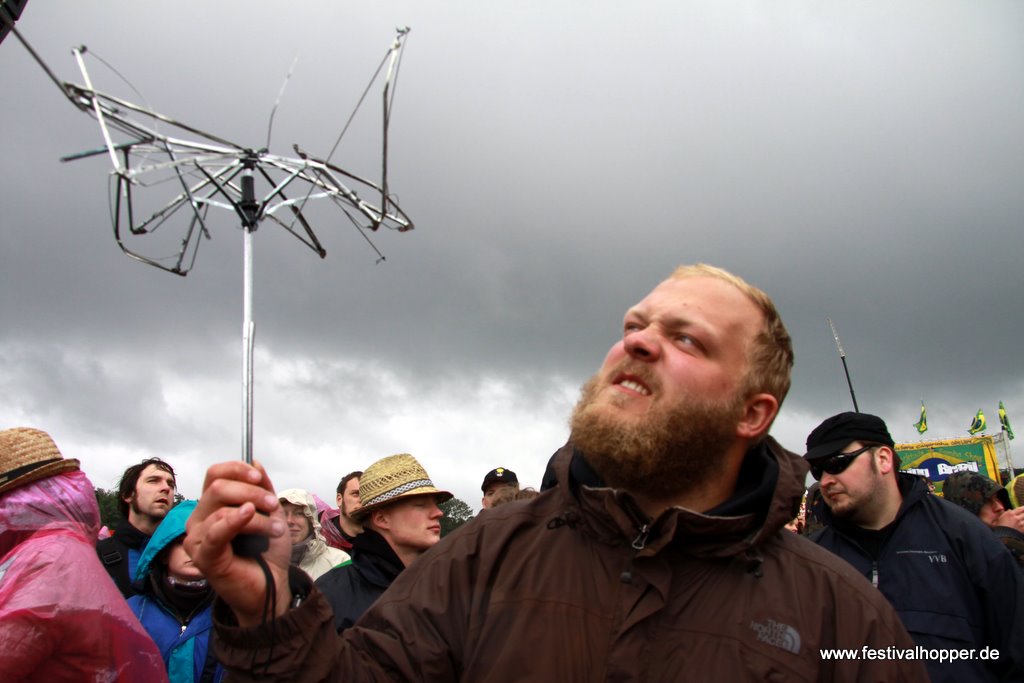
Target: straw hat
{"x": 392, "y": 478}
{"x": 27, "y": 455}
{"x": 1016, "y": 490}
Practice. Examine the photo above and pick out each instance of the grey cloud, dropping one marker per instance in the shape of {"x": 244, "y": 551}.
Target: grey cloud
{"x": 858, "y": 162}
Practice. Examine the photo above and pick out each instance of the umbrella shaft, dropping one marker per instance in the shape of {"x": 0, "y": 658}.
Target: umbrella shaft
{"x": 248, "y": 330}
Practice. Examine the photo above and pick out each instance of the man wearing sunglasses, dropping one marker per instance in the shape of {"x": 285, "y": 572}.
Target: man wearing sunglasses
{"x": 953, "y": 585}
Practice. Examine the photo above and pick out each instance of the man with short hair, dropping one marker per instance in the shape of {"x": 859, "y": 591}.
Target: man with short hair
{"x": 401, "y": 521}
{"x": 954, "y": 586}
{"x": 340, "y": 526}
{"x": 659, "y": 555}
{"x": 145, "y": 495}
{"x": 497, "y": 479}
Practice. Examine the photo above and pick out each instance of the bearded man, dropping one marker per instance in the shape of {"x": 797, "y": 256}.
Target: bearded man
{"x": 659, "y": 556}
{"x": 145, "y": 495}
{"x": 915, "y": 547}
{"x": 340, "y": 526}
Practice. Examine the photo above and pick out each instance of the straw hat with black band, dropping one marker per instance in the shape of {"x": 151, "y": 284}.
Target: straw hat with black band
{"x": 28, "y": 455}
{"x": 391, "y": 479}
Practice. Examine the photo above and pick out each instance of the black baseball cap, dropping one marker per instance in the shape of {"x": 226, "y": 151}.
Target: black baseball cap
{"x": 499, "y": 475}
{"x": 836, "y": 433}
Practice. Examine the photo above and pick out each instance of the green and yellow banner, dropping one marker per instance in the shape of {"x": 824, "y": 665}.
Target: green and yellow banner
{"x": 939, "y": 459}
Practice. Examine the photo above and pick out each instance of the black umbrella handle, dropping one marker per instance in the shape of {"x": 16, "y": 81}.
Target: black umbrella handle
{"x": 250, "y": 545}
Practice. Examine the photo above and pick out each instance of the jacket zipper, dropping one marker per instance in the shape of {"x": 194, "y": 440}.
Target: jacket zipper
{"x": 874, "y": 573}
{"x": 641, "y": 538}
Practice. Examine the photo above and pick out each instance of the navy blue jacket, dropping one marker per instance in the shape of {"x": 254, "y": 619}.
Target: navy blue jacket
{"x": 353, "y": 586}
{"x": 952, "y": 583}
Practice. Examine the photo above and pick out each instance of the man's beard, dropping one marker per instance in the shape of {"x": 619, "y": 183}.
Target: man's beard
{"x": 667, "y": 452}
{"x": 860, "y": 507}
{"x": 133, "y": 503}
{"x": 347, "y": 514}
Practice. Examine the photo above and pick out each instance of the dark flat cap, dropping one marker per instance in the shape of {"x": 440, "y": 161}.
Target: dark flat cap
{"x": 836, "y": 433}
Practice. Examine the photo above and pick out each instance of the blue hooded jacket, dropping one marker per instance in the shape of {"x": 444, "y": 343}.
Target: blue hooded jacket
{"x": 185, "y": 646}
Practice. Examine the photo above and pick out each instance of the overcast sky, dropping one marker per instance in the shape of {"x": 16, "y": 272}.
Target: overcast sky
{"x": 862, "y": 161}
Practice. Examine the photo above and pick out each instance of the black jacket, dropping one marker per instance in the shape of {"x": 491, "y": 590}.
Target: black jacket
{"x": 355, "y": 585}
{"x": 950, "y": 580}
{"x": 120, "y": 552}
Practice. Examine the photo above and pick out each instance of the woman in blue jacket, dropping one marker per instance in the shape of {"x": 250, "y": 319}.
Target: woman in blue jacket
{"x": 174, "y": 602}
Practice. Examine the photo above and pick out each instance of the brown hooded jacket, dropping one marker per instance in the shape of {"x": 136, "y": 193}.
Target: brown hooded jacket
{"x": 575, "y": 585}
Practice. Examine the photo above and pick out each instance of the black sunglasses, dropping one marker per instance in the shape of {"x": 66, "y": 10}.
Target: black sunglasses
{"x": 835, "y": 464}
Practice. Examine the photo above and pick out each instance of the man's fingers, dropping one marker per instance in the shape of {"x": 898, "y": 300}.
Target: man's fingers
{"x": 265, "y": 478}
{"x": 221, "y": 527}
{"x": 239, "y": 499}
{"x": 232, "y": 484}
{"x": 233, "y": 493}
{"x": 1012, "y": 518}
{"x": 223, "y": 492}
{"x": 233, "y": 469}
{"x": 1016, "y": 518}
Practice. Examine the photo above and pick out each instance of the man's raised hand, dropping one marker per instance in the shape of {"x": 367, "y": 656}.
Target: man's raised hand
{"x": 233, "y": 495}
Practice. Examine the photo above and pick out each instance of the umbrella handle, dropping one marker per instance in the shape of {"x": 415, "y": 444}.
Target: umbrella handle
{"x": 250, "y": 545}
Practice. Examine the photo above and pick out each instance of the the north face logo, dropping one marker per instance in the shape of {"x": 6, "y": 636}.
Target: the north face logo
{"x": 780, "y": 635}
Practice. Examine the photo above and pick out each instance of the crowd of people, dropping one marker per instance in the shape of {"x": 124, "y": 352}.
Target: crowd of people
{"x": 387, "y": 516}
{"x": 658, "y": 548}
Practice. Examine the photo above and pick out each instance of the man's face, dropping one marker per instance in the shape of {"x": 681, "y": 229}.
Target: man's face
{"x": 154, "y": 493}
{"x": 990, "y": 511}
{"x": 665, "y": 406}
{"x": 348, "y": 500}
{"x": 492, "y": 490}
{"x": 298, "y": 524}
{"x": 413, "y": 523}
{"x": 856, "y": 492}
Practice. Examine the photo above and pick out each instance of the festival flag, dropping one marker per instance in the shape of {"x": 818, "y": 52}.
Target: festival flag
{"x": 922, "y": 424}
{"x": 1005, "y": 421}
{"x": 978, "y": 424}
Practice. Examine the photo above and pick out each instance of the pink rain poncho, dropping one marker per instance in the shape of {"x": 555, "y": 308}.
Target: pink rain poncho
{"x": 61, "y": 616}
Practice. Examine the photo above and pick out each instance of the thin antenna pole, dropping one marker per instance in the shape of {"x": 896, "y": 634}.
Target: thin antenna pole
{"x": 842, "y": 357}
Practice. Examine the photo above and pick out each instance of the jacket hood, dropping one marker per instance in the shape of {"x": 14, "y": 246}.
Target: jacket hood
{"x": 171, "y": 528}
{"x": 768, "y": 495}
{"x": 302, "y": 498}
{"x": 789, "y": 491}
{"x": 375, "y": 559}
{"x": 60, "y": 502}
